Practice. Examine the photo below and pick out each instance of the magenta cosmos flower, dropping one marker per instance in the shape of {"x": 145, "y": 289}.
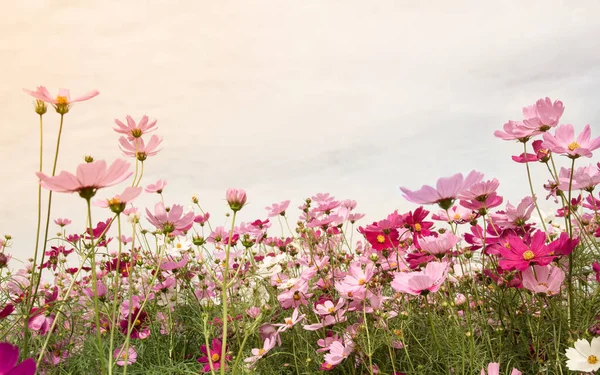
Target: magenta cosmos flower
{"x": 519, "y": 255}
{"x": 88, "y": 179}
{"x": 61, "y": 102}
{"x": 135, "y": 130}
{"x": 446, "y": 191}
{"x": 422, "y": 282}
{"x": 9, "y": 356}
{"x": 173, "y": 221}
{"x": 215, "y": 356}
{"x": 563, "y": 142}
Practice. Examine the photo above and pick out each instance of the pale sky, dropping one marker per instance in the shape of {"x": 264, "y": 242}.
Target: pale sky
{"x": 289, "y": 98}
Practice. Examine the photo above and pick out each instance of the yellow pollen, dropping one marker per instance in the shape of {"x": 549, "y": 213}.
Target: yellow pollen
{"x": 592, "y": 360}
{"x": 261, "y": 352}
{"x": 418, "y": 227}
{"x": 543, "y": 284}
{"x": 137, "y": 322}
{"x": 179, "y": 246}
{"x": 114, "y": 201}
{"x": 361, "y": 281}
{"x": 289, "y": 322}
{"x": 124, "y": 355}
{"x": 215, "y": 357}
{"x": 62, "y": 100}
{"x": 331, "y": 309}
{"x": 380, "y": 238}
{"x": 572, "y": 146}
{"x": 528, "y": 255}
{"x": 456, "y": 216}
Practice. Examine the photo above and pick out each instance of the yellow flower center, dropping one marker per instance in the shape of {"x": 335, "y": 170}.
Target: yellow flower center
{"x": 528, "y": 255}
{"x": 573, "y": 145}
{"x": 361, "y": 281}
{"x": 62, "y": 100}
{"x": 456, "y": 216}
{"x": 261, "y": 352}
{"x": 331, "y": 309}
{"x": 418, "y": 227}
{"x": 380, "y": 238}
{"x": 289, "y": 322}
{"x": 215, "y": 357}
{"x": 114, "y": 201}
{"x": 137, "y": 322}
{"x": 592, "y": 360}
{"x": 178, "y": 246}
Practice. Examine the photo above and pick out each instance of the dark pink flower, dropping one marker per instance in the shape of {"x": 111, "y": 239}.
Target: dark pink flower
{"x": 214, "y": 352}
{"x": 520, "y": 255}
{"x": 9, "y": 356}
{"x": 541, "y": 154}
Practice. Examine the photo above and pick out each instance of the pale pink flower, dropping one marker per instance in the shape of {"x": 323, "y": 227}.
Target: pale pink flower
{"x": 61, "y": 102}
{"x": 458, "y": 215}
{"x": 543, "y": 115}
{"x": 421, "y": 282}
{"x": 514, "y": 216}
{"x": 236, "y": 198}
{"x": 125, "y": 356}
{"x": 291, "y": 321}
{"x": 543, "y": 279}
{"x": 137, "y": 148}
{"x": 174, "y": 221}
{"x": 62, "y": 222}
{"x": 439, "y": 245}
{"x": 446, "y": 191}
{"x": 514, "y": 130}
{"x": 88, "y": 178}
{"x": 157, "y": 187}
{"x": 328, "y": 308}
{"x": 120, "y": 201}
{"x": 494, "y": 369}
{"x": 339, "y": 351}
{"x": 278, "y": 208}
{"x": 257, "y": 353}
{"x": 564, "y": 142}
{"x": 133, "y": 130}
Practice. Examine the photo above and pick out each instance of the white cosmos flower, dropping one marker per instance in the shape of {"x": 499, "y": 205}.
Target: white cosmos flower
{"x": 584, "y": 356}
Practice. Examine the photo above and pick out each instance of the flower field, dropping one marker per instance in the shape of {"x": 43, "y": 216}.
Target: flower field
{"x": 464, "y": 283}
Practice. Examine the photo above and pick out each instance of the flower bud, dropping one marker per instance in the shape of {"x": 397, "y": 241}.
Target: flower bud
{"x": 236, "y": 198}
{"x": 40, "y": 107}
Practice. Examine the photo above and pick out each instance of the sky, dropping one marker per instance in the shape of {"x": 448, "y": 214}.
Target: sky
{"x": 287, "y": 99}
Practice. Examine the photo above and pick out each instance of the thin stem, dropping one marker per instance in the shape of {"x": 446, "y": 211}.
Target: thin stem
{"x": 224, "y": 295}
{"x": 531, "y": 188}
{"x": 570, "y": 274}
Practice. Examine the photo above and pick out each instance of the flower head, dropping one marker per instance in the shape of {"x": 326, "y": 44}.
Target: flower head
{"x": 236, "y": 198}
{"x": 564, "y": 142}
{"x": 61, "y": 102}
{"x": 133, "y": 130}
{"x": 446, "y": 191}
{"x": 585, "y": 356}
{"x": 88, "y": 179}
{"x": 9, "y": 355}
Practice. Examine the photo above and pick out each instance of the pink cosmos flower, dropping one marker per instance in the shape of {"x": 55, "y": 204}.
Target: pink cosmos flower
{"x": 584, "y": 178}
{"x": 458, "y": 215}
{"x": 125, "y": 356}
{"x": 514, "y": 130}
{"x": 481, "y": 196}
{"x": 9, "y": 356}
{"x": 278, "y": 208}
{"x": 156, "y": 187}
{"x": 446, "y": 191}
{"x": 494, "y": 369}
{"x": 174, "y": 221}
{"x": 514, "y": 216}
{"x": 543, "y": 279}
{"x": 439, "y": 245}
{"x": 541, "y": 154}
{"x": 543, "y": 115}
{"x": 62, "y": 222}
{"x": 290, "y": 322}
{"x": 339, "y": 351}
{"x": 422, "y": 282}
{"x": 137, "y": 148}
{"x": 564, "y": 142}
{"x": 62, "y": 102}
{"x": 89, "y": 178}
{"x": 215, "y": 355}
{"x": 257, "y": 354}
{"x": 519, "y": 256}
{"x": 118, "y": 203}
{"x": 133, "y": 130}
{"x": 236, "y": 198}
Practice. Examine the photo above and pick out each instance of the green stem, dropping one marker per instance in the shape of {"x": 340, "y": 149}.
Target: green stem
{"x": 570, "y": 274}
{"x": 224, "y": 295}
{"x": 531, "y": 188}
{"x": 117, "y": 279}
